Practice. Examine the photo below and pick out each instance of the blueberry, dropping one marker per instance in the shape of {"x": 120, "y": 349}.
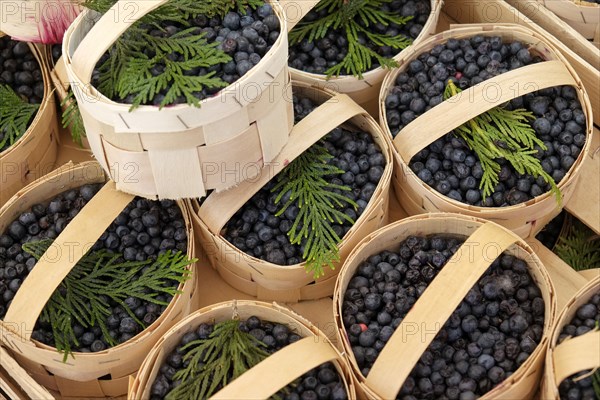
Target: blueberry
{"x": 17, "y": 231}
{"x": 243, "y": 67}
{"x": 87, "y": 192}
{"x": 128, "y": 325}
{"x": 587, "y": 311}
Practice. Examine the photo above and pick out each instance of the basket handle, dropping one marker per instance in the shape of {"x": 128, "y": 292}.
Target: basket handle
{"x": 425, "y": 319}
{"x": 106, "y": 31}
{"x": 443, "y": 118}
{"x": 289, "y": 363}
{"x": 576, "y": 354}
{"x": 70, "y": 246}
{"x": 295, "y": 10}
{"x": 219, "y": 207}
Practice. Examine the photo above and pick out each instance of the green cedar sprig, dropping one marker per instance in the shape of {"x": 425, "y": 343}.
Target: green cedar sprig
{"x": 136, "y": 54}
{"x": 354, "y": 18}
{"x": 71, "y": 118}
{"x": 579, "y": 246}
{"x": 213, "y": 362}
{"x": 502, "y": 133}
{"x": 100, "y": 276}
{"x": 15, "y": 115}
{"x": 303, "y": 183}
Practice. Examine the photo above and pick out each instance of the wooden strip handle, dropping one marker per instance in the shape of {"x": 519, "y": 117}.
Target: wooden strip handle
{"x": 219, "y": 207}
{"x": 275, "y": 372}
{"x": 575, "y": 355}
{"x": 425, "y": 319}
{"x": 106, "y": 31}
{"x": 484, "y": 96}
{"x": 295, "y": 10}
{"x": 68, "y": 248}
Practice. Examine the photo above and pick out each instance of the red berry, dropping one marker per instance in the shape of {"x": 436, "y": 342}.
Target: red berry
{"x": 363, "y": 327}
{"x": 458, "y": 75}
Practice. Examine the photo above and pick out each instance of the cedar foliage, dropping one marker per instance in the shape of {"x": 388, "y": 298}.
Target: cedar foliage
{"x": 83, "y": 296}
{"x": 303, "y": 183}
{"x": 502, "y": 133}
{"x": 15, "y": 115}
{"x": 578, "y": 246}
{"x": 71, "y": 118}
{"x": 213, "y": 362}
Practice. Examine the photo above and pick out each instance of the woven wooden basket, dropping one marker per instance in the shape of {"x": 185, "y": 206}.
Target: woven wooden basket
{"x": 79, "y": 376}
{"x": 440, "y": 299}
{"x": 525, "y": 219}
{"x": 583, "y": 16}
{"x": 266, "y": 378}
{"x": 246, "y": 123}
{"x": 291, "y": 283}
{"x": 34, "y": 154}
{"x": 363, "y": 91}
{"x": 572, "y": 355}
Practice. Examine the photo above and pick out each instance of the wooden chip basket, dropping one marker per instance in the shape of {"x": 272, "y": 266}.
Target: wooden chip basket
{"x": 34, "y": 154}
{"x": 98, "y": 374}
{"x": 291, "y": 283}
{"x": 267, "y": 377}
{"x": 210, "y": 147}
{"x": 415, "y": 196}
{"x": 486, "y": 240}
{"x": 573, "y": 355}
{"x": 363, "y": 91}
{"x": 581, "y": 15}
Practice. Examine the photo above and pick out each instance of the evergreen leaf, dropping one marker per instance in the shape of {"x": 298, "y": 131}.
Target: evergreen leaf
{"x": 213, "y": 362}
{"x": 71, "y": 118}
{"x": 99, "y": 276}
{"x": 319, "y": 203}
{"x": 501, "y": 133}
{"x": 15, "y": 115}
{"x": 579, "y": 247}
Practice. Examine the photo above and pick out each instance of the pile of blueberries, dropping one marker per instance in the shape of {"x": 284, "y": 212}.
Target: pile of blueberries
{"x": 448, "y": 165}
{"x": 319, "y": 55}
{"x": 493, "y": 331}
{"x": 21, "y": 71}
{"x": 257, "y": 231}
{"x": 321, "y": 383}
{"x": 581, "y": 386}
{"x": 142, "y": 231}
{"x": 245, "y": 36}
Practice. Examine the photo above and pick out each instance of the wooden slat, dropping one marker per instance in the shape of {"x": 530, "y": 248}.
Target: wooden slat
{"x": 18, "y": 381}
{"x": 585, "y": 203}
